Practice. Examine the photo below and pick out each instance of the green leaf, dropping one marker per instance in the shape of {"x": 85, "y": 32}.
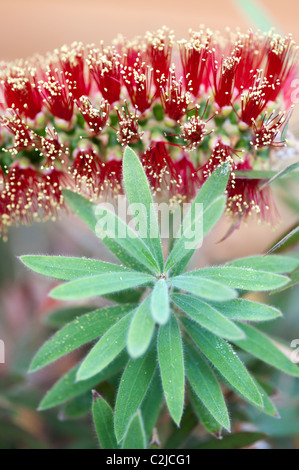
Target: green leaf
{"x": 293, "y": 233}
{"x": 133, "y": 386}
{"x": 151, "y": 405}
{"x": 260, "y": 346}
{"x": 106, "y": 349}
{"x": 140, "y": 194}
{"x": 201, "y": 287}
{"x": 242, "y": 278}
{"x": 160, "y": 302}
{"x": 294, "y": 280}
{"x": 141, "y": 329}
{"x": 117, "y": 230}
{"x": 81, "y": 331}
{"x": 237, "y": 440}
{"x": 100, "y": 284}
{"x": 207, "y": 316}
{"x": 104, "y": 422}
{"x": 285, "y": 171}
{"x": 86, "y": 210}
{"x": 135, "y": 435}
{"x": 171, "y": 362}
{"x": 67, "y": 269}
{"x": 222, "y": 356}
{"x": 204, "y": 416}
{"x": 206, "y": 387}
{"x": 77, "y": 407}
{"x": 67, "y": 387}
{"x": 208, "y": 196}
{"x": 246, "y": 310}
{"x": 62, "y": 316}
{"x": 268, "y": 406}
{"x": 274, "y": 264}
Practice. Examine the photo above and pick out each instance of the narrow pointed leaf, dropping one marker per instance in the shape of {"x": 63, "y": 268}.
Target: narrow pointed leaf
{"x": 106, "y": 349}
{"x": 247, "y": 310}
{"x": 135, "y": 435}
{"x": 194, "y": 229}
{"x": 171, "y": 362}
{"x": 60, "y": 317}
{"x": 206, "y": 387}
{"x": 160, "y": 302}
{"x": 294, "y": 233}
{"x": 204, "y": 416}
{"x": 151, "y": 405}
{"x": 272, "y": 263}
{"x": 86, "y": 210}
{"x": 141, "y": 330}
{"x": 204, "y": 288}
{"x": 260, "y": 346}
{"x": 116, "y": 229}
{"x": 100, "y": 284}
{"x": 140, "y": 194}
{"x": 208, "y": 317}
{"x": 222, "y": 356}
{"x": 67, "y": 269}
{"x": 81, "y": 331}
{"x": 67, "y": 387}
{"x": 242, "y": 278}
{"x": 104, "y": 423}
{"x": 133, "y": 387}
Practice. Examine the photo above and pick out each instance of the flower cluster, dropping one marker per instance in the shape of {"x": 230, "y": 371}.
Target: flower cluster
{"x": 184, "y": 106}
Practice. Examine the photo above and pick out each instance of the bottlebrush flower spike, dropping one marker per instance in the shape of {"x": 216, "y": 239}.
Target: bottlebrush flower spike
{"x": 145, "y": 92}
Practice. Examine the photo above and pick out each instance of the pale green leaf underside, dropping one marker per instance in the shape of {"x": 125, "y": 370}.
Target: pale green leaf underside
{"x": 205, "y": 288}
{"x": 160, "y": 302}
{"x": 272, "y": 263}
{"x": 141, "y": 329}
{"x": 247, "y": 310}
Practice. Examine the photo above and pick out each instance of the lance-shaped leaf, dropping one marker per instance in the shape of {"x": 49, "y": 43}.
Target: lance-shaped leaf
{"x": 151, "y": 405}
{"x": 208, "y": 317}
{"x": 86, "y": 210}
{"x": 247, "y": 310}
{"x": 273, "y": 263}
{"x": 67, "y": 269}
{"x": 106, "y": 349}
{"x": 160, "y": 302}
{"x": 260, "y": 346}
{"x": 140, "y": 194}
{"x": 171, "y": 362}
{"x": 80, "y": 331}
{"x": 67, "y": 387}
{"x": 141, "y": 329}
{"x": 242, "y": 278}
{"x": 133, "y": 387}
{"x": 222, "y": 356}
{"x": 208, "y": 196}
{"x": 206, "y": 387}
{"x": 100, "y": 284}
{"x": 135, "y": 437}
{"x": 204, "y": 416}
{"x": 292, "y": 235}
{"x": 194, "y": 228}
{"x": 111, "y": 226}
{"x": 104, "y": 422}
{"x": 60, "y": 317}
{"x": 204, "y": 288}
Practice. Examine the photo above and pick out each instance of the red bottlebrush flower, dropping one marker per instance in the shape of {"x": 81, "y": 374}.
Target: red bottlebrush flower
{"x": 95, "y": 118}
{"x": 195, "y": 61}
{"x": 159, "y": 49}
{"x": 57, "y": 93}
{"x": 160, "y": 169}
{"x": 221, "y": 154}
{"x": 111, "y": 178}
{"x": 188, "y": 178}
{"x": 24, "y": 138}
{"x": 224, "y": 79}
{"x": 128, "y": 128}
{"x": 174, "y": 98}
{"x": 87, "y": 169}
{"x": 195, "y": 130}
{"x": 105, "y": 68}
{"x": 20, "y": 91}
{"x": 138, "y": 81}
{"x": 246, "y": 197}
{"x": 72, "y": 62}
{"x": 251, "y": 48}
{"x": 51, "y": 147}
{"x": 51, "y": 198}
{"x": 255, "y": 100}
{"x": 267, "y": 131}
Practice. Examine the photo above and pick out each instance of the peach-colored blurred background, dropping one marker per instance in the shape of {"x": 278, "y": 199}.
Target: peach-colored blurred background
{"x": 29, "y": 26}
